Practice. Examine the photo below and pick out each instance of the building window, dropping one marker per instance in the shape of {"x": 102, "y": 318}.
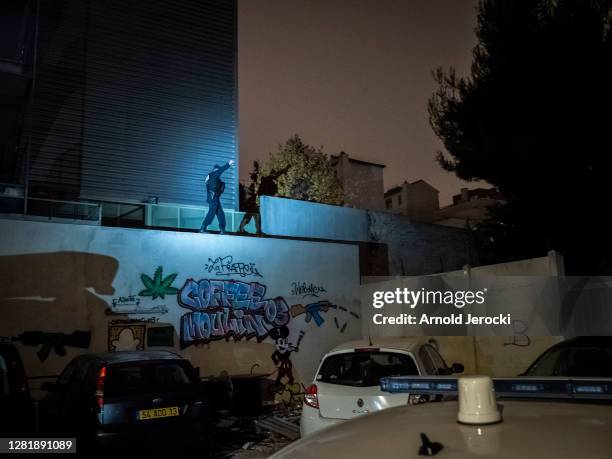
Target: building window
{"x": 399, "y": 199}
{"x": 388, "y": 203}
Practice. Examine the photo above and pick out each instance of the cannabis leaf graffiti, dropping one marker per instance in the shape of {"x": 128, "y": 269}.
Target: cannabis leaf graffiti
{"x": 158, "y": 287}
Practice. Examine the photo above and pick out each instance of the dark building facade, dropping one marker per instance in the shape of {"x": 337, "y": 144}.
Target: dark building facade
{"x": 133, "y": 100}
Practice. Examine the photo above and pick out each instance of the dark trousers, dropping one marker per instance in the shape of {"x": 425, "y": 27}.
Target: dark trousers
{"x": 248, "y": 216}
{"x": 214, "y": 208}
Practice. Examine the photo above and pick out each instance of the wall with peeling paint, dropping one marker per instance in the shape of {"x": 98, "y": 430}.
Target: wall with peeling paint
{"x": 414, "y": 248}
{"x": 215, "y": 299}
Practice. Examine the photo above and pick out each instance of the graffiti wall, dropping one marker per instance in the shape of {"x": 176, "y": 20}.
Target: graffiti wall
{"x": 235, "y": 305}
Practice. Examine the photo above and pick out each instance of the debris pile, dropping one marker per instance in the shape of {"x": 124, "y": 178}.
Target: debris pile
{"x": 285, "y": 427}
{"x": 262, "y": 449}
{"x": 256, "y": 437}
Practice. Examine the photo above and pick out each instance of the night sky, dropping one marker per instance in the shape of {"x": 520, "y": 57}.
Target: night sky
{"x": 351, "y": 75}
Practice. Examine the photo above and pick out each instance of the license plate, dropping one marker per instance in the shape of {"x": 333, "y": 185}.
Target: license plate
{"x": 158, "y": 413}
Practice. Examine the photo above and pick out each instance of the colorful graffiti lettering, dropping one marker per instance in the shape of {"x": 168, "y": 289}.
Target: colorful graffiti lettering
{"x": 222, "y": 309}
{"x": 312, "y": 311}
{"x": 158, "y": 286}
{"x": 226, "y": 266}
{"x": 304, "y": 289}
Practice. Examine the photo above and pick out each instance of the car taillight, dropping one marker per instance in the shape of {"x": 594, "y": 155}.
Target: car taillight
{"x": 100, "y": 388}
{"x": 368, "y": 349}
{"x": 311, "y": 398}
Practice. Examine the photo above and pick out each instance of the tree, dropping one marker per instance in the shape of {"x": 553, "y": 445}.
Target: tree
{"x": 529, "y": 120}
{"x": 299, "y": 171}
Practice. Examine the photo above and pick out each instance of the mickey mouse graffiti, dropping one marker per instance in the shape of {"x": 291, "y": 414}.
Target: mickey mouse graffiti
{"x": 281, "y": 356}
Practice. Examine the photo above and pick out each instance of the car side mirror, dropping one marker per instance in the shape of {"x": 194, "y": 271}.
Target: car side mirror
{"x": 457, "y": 368}
{"x": 48, "y": 386}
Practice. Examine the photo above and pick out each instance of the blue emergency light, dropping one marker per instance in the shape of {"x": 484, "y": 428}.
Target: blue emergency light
{"x": 520, "y": 387}
{"x": 419, "y": 385}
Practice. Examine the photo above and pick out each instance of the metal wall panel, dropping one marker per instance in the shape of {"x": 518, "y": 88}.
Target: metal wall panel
{"x": 135, "y": 99}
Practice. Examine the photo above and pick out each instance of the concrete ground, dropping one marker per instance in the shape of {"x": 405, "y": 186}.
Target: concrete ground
{"x": 260, "y": 450}
{"x": 242, "y": 438}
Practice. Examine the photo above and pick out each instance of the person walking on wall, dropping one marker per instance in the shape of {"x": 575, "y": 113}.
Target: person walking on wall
{"x": 214, "y": 189}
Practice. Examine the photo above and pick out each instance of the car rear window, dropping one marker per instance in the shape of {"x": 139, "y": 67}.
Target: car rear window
{"x": 364, "y": 369}
{"x": 143, "y": 378}
{"x": 574, "y": 361}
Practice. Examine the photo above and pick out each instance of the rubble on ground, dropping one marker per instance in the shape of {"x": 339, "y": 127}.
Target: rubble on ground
{"x": 263, "y": 449}
{"x": 256, "y": 437}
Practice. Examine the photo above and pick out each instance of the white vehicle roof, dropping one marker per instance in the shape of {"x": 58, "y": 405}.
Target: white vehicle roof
{"x": 400, "y": 343}
{"x": 530, "y": 429}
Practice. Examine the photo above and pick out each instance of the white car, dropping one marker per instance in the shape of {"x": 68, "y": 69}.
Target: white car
{"x": 347, "y": 383}
{"x": 535, "y": 418}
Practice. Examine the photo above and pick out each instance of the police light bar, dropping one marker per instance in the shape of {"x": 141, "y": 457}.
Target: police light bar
{"x": 419, "y": 385}
{"x": 520, "y": 387}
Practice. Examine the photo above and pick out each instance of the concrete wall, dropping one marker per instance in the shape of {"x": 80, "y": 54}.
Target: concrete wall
{"x": 414, "y": 248}
{"x": 527, "y": 288}
{"x": 420, "y": 248}
{"x": 552, "y": 264}
{"x": 119, "y": 284}
{"x": 290, "y": 217}
{"x": 497, "y": 356}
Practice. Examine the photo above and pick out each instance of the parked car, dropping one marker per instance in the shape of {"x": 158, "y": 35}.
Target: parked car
{"x": 16, "y": 413}
{"x": 347, "y": 383}
{"x": 575, "y": 423}
{"x": 152, "y": 400}
{"x": 581, "y": 356}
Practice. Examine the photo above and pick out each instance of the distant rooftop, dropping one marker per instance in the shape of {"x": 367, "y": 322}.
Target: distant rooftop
{"x": 335, "y": 158}
{"x": 398, "y": 188}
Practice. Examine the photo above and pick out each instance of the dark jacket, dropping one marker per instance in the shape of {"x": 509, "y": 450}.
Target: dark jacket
{"x": 215, "y": 184}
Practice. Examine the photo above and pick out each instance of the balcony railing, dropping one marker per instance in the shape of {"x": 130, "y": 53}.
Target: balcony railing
{"x": 191, "y": 217}
{"x": 51, "y": 209}
{"x": 123, "y": 214}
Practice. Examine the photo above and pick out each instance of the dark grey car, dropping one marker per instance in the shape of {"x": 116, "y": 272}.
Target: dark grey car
{"x": 143, "y": 400}
{"x": 583, "y": 356}
{"x": 16, "y": 413}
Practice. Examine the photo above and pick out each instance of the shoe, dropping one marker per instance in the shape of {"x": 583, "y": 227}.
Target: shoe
{"x": 202, "y": 230}
{"x": 221, "y": 232}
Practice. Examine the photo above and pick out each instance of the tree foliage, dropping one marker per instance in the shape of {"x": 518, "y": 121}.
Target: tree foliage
{"x": 299, "y": 171}
{"x": 532, "y": 118}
